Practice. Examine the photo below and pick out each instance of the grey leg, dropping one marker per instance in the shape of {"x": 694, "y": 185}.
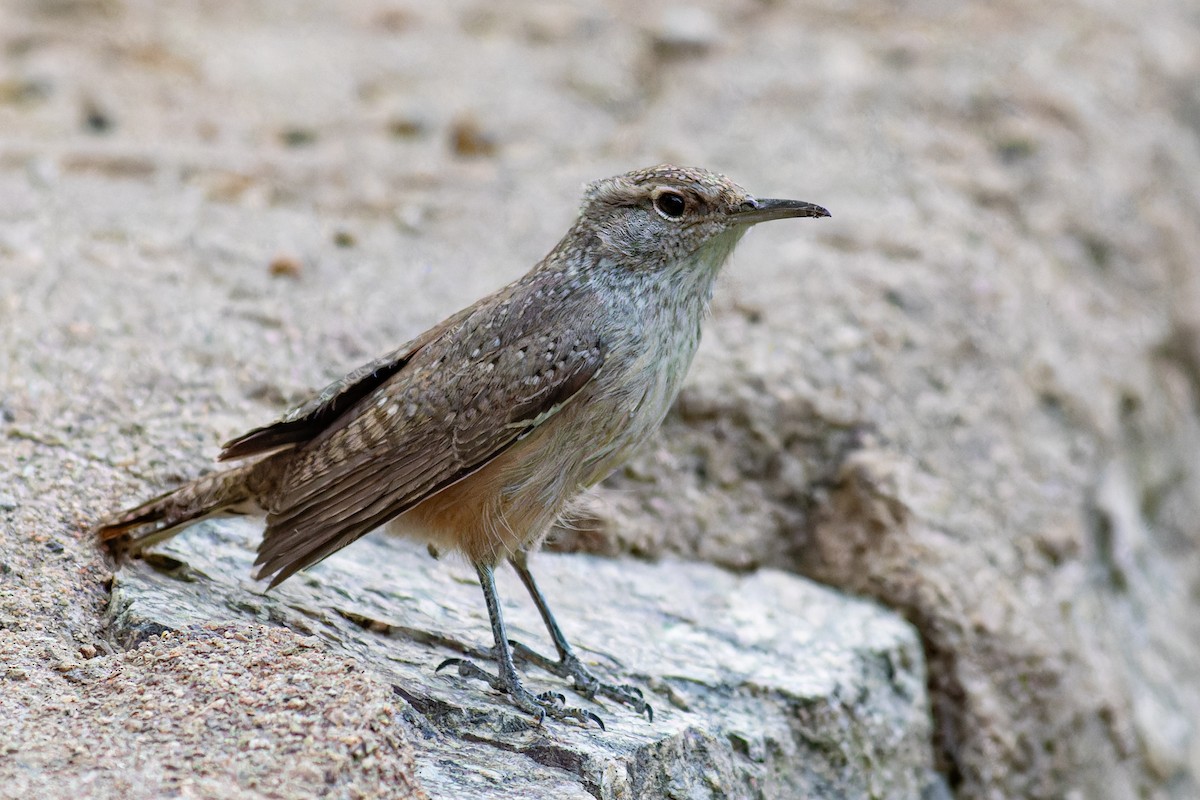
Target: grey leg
{"x": 568, "y": 664}
{"x": 507, "y": 681}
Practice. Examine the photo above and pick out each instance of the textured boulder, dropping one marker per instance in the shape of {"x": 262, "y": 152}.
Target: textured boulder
{"x": 763, "y": 685}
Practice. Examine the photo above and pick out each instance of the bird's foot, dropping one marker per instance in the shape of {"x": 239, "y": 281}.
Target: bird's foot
{"x": 586, "y": 683}
{"x": 546, "y": 704}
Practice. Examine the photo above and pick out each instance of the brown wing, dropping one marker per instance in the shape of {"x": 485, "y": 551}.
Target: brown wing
{"x": 305, "y": 422}
{"x": 448, "y": 413}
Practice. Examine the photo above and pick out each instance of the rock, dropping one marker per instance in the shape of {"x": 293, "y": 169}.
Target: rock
{"x": 285, "y": 265}
{"x": 206, "y": 712}
{"x": 685, "y": 31}
{"x": 468, "y": 138}
{"x": 762, "y": 685}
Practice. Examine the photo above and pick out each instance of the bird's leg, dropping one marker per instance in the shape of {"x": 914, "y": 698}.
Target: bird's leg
{"x": 506, "y": 681}
{"x": 568, "y": 664}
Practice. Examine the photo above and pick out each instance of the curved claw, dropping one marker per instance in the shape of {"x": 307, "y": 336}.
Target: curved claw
{"x": 584, "y": 682}
{"x": 549, "y": 703}
{"x": 582, "y": 715}
{"x": 628, "y": 695}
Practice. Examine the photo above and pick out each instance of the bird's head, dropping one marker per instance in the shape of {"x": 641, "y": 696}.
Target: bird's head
{"x": 667, "y": 216}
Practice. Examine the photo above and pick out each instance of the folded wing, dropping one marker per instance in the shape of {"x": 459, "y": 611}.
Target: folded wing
{"x": 412, "y": 430}
{"x": 305, "y": 422}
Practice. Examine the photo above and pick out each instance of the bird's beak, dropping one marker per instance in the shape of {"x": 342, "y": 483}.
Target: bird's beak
{"x": 754, "y": 211}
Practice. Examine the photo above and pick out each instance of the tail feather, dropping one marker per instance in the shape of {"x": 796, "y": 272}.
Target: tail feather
{"x": 151, "y": 522}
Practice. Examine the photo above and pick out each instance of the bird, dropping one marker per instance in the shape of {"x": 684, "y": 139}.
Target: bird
{"x": 477, "y": 435}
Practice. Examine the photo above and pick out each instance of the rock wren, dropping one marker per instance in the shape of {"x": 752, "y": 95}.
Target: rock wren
{"x": 475, "y": 435}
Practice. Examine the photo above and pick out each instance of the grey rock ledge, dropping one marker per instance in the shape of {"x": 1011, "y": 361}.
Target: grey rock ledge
{"x": 763, "y": 685}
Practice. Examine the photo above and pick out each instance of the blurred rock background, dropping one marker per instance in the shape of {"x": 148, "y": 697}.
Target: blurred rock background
{"x": 972, "y": 395}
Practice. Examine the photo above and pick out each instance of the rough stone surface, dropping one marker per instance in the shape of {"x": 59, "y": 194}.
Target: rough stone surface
{"x": 218, "y": 710}
{"x": 763, "y": 685}
{"x": 972, "y": 394}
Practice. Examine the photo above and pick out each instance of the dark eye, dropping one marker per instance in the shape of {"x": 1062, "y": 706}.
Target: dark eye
{"x": 670, "y": 204}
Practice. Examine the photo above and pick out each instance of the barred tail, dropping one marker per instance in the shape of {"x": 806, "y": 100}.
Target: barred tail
{"x": 233, "y": 490}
